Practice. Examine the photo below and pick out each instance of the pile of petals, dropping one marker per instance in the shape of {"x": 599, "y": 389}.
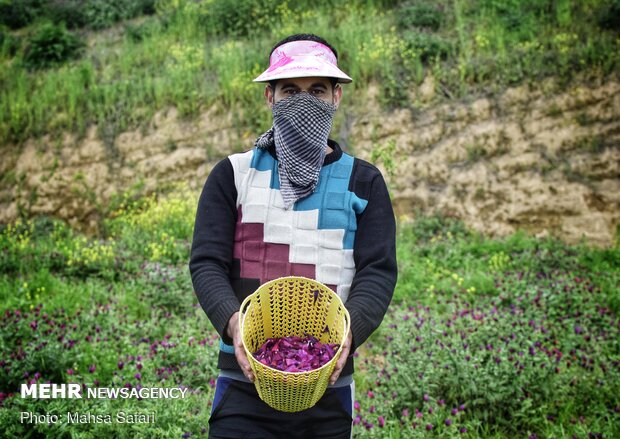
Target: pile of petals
{"x": 295, "y": 354}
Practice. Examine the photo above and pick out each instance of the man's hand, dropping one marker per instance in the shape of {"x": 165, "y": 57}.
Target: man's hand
{"x": 233, "y": 332}
{"x": 346, "y": 347}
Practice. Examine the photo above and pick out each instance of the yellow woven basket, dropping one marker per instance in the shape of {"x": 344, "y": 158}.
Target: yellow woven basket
{"x": 292, "y": 306}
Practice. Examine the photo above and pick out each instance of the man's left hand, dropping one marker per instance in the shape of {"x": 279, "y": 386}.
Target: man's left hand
{"x": 346, "y": 347}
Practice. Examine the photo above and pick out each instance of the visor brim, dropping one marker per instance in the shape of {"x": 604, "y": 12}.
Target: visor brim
{"x": 303, "y": 67}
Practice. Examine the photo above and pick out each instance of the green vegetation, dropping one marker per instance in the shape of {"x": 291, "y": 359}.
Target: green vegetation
{"x": 51, "y": 45}
{"x": 94, "y": 14}
{"x": 485, "y": 337}
{"x": 193, "y": 55}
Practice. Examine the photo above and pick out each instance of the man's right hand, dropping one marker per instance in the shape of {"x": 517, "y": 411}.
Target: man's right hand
{"x": 232, "y": 330}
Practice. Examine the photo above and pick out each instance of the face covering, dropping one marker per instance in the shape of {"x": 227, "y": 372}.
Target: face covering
{"x": 301, "y": 125}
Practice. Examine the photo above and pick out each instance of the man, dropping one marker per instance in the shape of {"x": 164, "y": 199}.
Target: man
{"x": 293, "y": 205}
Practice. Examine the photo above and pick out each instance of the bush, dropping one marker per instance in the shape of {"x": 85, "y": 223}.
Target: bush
{"x": 97, "y": 14}
{"x": 18, "y": 13}
{"x": 610, "y": 16}
{"x": 146, "y": 7}
{"x": 427, "y": 46}
{"x": 69, "y": 12}
{"x": 74, "y": 13}
{"x": 52, "y": 44}
{"x": 425, "y": 15}
{"x": 100, "y": 14}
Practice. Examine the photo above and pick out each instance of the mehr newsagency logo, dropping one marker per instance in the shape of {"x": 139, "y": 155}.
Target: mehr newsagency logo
{"x": 75, "y": 391}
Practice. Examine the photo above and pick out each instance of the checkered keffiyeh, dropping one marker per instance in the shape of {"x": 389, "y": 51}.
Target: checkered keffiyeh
{"x": 301, "y": 125}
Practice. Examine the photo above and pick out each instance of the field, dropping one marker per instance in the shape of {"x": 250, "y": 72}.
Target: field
{"x": 513, "y": 337}
{"x": 198, "y": 55}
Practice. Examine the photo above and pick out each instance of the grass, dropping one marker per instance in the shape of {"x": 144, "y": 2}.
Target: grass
{"x": 484, "y": 338}
{"x": 193, "y": 57}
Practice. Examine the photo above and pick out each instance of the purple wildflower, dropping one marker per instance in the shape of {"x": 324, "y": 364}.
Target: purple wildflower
{"x": 578, "y": 329}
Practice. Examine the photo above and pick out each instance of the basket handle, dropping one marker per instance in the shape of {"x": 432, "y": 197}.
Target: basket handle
{"x": 244, "y": 306}
{"x": 242, "y": 310}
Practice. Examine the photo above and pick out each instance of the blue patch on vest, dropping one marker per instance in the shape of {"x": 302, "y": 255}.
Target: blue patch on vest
{"x": 337, "y": 205}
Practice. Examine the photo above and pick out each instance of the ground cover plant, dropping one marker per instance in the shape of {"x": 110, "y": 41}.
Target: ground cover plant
{"x": 197, "y": 54}
{"x": 508, "y": 338}
{"x": 513, "y": 337}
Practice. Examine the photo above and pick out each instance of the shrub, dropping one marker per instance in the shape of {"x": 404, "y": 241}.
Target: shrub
{"x": 18, "y": 13}
{"x": 424, "y": 15}
{"x": 103, "y": 13}
{"x": 74, "y": 14}
{"x": 146, "y": 7}
{"x": 69, "y": 12}
{"x": 610, "y": 16}
{"x": 513, "y": 14}
{"x": 428, "y": 46}
{"x": 52, "y": 44}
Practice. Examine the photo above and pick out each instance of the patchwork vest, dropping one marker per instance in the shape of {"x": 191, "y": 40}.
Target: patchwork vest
{"x": 313, "y": 239}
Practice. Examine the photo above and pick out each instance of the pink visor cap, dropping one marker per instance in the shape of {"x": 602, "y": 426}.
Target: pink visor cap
{"x": 302, "y": 59}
